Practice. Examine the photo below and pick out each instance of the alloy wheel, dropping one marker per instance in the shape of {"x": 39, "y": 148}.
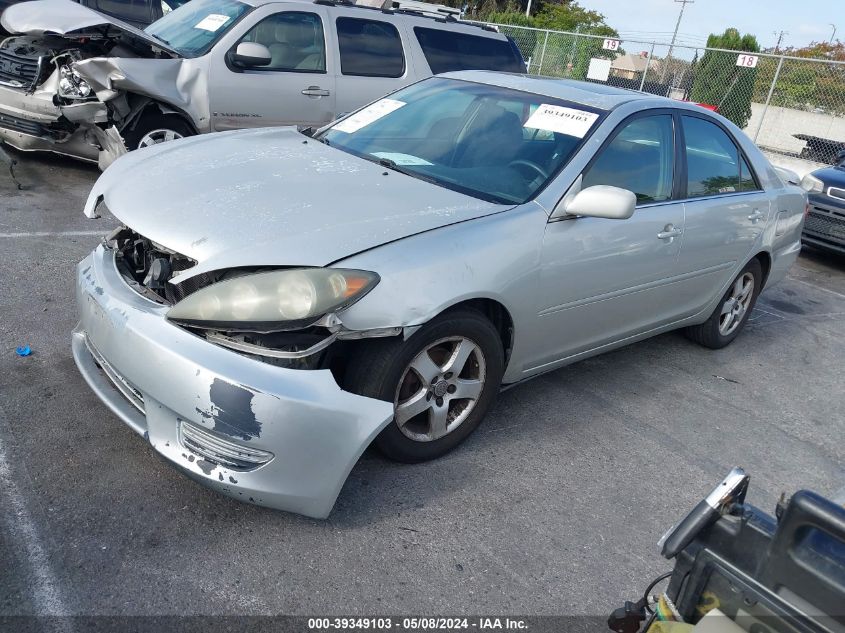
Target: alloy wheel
{"x": 736, "y": 305}
{"x": 439, "y": 388}
{"x": 154, "y": 137}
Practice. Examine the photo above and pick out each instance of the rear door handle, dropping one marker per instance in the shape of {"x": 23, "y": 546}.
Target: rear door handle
{"x": 669, "y": 232}
{"x": 756, "y": 216}
{"x": 315, "y": 91}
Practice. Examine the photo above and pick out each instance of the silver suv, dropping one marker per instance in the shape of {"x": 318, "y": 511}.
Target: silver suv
{"x": 87, "y": 85}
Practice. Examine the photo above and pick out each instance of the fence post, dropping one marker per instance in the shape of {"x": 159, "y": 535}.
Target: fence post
{"x": 571, "y": 64}
{"x": 543, "y": 54}
{"x": 768, "y": 99}
{"x": 647, "y": 63}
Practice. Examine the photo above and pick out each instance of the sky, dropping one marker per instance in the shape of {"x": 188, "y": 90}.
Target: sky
{"x": 805, "y": 21}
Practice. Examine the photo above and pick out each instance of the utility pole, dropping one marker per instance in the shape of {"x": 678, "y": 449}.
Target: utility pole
{"x": 832, "y": 34}
{"x": 674, "y": 35}
{"x": 780, "y": 35}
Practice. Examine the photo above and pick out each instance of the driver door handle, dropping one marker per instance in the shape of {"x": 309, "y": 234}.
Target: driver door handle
{"x": 315, "y": 91}
{"x": 669, "y": 232}
{"x": 757, "y": 215}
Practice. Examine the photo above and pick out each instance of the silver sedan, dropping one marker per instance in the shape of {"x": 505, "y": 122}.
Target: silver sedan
{"x": 275, "y": 303}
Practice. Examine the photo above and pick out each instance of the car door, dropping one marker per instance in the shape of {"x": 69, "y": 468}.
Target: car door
{"x": 372, "y": 59}
{"x": 726, "y": 211}
{"x": 603, "y": 280}
{"x": 297, "y": 87}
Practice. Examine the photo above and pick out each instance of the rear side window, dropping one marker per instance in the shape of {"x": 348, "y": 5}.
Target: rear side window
{"x": 369, "y": 48}
{"x": 446, "y": 51}
{"x": 640, "y": 158}
{"x": 714, "y": 163}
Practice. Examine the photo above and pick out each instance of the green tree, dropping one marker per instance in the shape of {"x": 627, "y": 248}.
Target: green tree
{"x": 567, "y": 55}
{"x": 719, "y": 81}
{"x": 814, "y": 84}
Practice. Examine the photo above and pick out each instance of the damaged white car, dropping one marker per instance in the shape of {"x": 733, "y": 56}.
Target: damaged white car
{"x": 81, "y": 83}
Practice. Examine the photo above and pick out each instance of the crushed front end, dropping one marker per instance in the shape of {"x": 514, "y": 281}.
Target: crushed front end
{"x": 273, "y": 428}
{"x": 44, "y": 105}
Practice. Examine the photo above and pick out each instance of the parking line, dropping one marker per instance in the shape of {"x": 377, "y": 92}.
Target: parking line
{"x": 45, "y": 592}
{"x": 55, "y": 233}
{"x": 807, "y": 283}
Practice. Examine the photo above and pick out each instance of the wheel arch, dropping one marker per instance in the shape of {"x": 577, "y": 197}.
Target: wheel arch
{"x": 498, "y": 315}
{"x": 142, "y": 105}
{"x": 765, "y": 259}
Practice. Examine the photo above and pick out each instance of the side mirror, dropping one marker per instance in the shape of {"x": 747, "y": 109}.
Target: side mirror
{"x": 600, "y": 201}
{"x": 250, "y": 54}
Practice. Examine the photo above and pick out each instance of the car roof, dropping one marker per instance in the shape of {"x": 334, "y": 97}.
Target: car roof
{"x": 446, "y": 22}
{"x": 586, "y": 93}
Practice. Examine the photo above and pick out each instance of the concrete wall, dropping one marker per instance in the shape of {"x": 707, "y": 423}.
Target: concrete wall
{"x": 798, "y": 165}
{"x": 781, "y": 123}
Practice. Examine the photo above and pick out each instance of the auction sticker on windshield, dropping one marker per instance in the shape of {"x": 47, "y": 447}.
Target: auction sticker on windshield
{"x": 372, "y": 112}
{"x": 569, "y": 121}
{"x": 212, "y": 22}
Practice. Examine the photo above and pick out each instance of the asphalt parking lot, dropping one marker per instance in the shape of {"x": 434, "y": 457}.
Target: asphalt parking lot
{"x": 553, "y": 507}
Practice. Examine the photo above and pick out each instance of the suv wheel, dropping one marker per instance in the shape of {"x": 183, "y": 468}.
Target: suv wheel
{"x": 154, "y": 128}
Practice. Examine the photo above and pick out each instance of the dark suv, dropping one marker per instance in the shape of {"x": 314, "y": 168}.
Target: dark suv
{"x": 825, "y": 223}
{"x": 138, "y": 13}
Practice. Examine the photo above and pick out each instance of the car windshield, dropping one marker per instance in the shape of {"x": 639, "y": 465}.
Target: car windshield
{"x": 194, "y": 27}
{"x": 489, "y": 142}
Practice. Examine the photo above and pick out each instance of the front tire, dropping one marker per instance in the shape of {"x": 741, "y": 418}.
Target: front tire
{"x": 732, "y": 313}
{"x": 153, "y": 128}
{"x": 441, "y": 381}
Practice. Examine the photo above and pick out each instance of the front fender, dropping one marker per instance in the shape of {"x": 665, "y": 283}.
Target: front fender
{"x": 495, "y": 257}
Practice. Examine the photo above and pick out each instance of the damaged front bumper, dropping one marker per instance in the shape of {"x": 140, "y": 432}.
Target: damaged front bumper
{"x": 276, "y": 437}
{"x": 30, "y": 121}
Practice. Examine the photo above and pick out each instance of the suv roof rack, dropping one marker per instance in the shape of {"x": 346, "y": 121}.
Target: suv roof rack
{"x": 439, "y": 12}
{"x": 422, "y": 8}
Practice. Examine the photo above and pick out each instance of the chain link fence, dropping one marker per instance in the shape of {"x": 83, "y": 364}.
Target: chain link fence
{"x": 793, "y": 108}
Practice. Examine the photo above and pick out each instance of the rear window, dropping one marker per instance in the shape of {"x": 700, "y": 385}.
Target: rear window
{"x": 371, "y": 48}
{"x": 446, "y": 51}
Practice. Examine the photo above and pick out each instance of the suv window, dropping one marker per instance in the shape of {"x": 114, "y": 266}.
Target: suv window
{"x": 295, "y": 41}
{"x": 713, "y": 161}
{"x": 369, "y": 48}
{"x": 640, "y": 158}
{"x": 447, "y": 51}
{"x": 129, "y": 10}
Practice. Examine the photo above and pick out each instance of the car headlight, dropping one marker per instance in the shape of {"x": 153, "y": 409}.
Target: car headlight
{"x": 273, "y": 301}
{"x": 71, "y": 85}
{"x": 812, "y": 184}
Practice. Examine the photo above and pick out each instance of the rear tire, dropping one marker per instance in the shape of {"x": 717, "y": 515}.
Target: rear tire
{"x": 731, "y": 315}
{"x": 431, "y": 416}
{"x": 153, "y": 128}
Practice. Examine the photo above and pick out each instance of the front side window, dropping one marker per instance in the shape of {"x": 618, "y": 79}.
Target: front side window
{"x": 447, "y": 51}
{"x": 295, "y": 41}
{"x": 193, "y": 28}
{"x": 714, "y": 164}
{"x": 168, "y": 5}
{"x": 132, "y": 10}
{"x": 486, "y": 141}
{"x": 369, "y": 48}
{"x": 640, "y": 158}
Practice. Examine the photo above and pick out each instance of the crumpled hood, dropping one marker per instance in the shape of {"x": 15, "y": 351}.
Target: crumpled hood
{"x": 270, "y": 197}
{"x": 67, "y": 18}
